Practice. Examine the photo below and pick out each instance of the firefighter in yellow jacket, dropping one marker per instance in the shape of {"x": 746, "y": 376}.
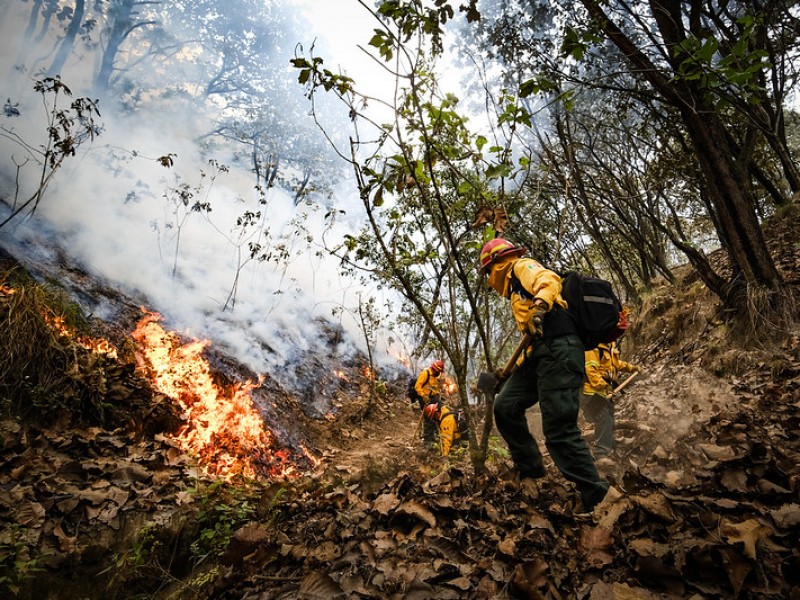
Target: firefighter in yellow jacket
{"x": 551, "y": 373}
{"x": 448, "y": 426}
{"x": 427, "y": 388}
{"x": 603, "y": 366}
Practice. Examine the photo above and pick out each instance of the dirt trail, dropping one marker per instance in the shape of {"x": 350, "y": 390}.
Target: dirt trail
{"x": 376, "y": 448}
{"x": 663, "y": 405}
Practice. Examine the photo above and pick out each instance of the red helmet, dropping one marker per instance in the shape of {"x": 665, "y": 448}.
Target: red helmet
{"x": 431, "y": 410}
{"x": 498, "y": 248}
{"x": 438, "y": 366}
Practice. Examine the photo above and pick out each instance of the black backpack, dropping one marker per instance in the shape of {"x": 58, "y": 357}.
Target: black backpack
{"x": 461, "y": 422}
{"x": 411, "y": 390}
{"x": 594, "y": 307}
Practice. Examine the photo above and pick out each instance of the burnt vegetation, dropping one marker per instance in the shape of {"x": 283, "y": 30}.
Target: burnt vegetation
{"x": 624, "y": 144}
{"x": 96, "y": 502}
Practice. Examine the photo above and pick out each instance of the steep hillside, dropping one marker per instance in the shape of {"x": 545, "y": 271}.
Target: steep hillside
{"x": 708, "y": 464}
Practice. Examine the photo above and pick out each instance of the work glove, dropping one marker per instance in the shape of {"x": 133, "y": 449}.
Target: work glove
{"x": 501, "y": 379}
{"x": 535, "y": 319}
{"x": 637, "y": 369}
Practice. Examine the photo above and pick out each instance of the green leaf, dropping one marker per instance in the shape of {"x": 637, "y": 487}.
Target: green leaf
{"x": 378, "y": 39}
{"x": 708, "y": 49}
{"x": 528, "y": 88}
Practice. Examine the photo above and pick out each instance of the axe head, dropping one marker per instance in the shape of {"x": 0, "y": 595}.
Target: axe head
{"x": 488, "y": 383}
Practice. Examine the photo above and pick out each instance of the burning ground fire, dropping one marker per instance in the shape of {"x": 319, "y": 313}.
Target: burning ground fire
{"x": 59, "y": 324}
{"x": 98, "y": 345}
{"x": 223, "y": 428}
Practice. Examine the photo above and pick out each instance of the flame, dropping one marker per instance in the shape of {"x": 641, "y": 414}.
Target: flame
{"x": 57, "y": 322}
{"x": 223, "y": 428}
{"x": 402, "y": 357}
{"x": 448, "y": 385}
{"x": 341, "y": 375}
{"x": 97, "y": 345}
{"x": 368, "y": 373}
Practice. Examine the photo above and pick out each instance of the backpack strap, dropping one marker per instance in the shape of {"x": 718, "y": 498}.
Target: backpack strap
{"x": 557, "y": 322}
{"x": 518, "y": 288}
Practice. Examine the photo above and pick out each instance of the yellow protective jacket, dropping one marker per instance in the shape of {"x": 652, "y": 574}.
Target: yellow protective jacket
{"x": 542, "y": 284}
{"x": 427, "y": 384}
{"x": 448, "y": 430}
{"x": 539, "y": 282}
{"x": 603, "y": 366}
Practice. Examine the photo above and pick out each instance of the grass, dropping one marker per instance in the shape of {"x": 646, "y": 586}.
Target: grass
{"x": 46, "y": 376}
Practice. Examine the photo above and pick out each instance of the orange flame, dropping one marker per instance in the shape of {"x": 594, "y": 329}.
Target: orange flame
{"x": 57, "y": 322}
{"x": 448, "y": 385}
{"x": 223, "y": 428}
{"x": 401, "y": 357}
{"x": 97, "y": 345}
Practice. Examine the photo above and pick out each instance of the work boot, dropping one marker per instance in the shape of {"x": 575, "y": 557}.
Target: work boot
{"x": 605, "y": 462}
{"x": 603, "y": 512}
{"x": 536, "y": 472}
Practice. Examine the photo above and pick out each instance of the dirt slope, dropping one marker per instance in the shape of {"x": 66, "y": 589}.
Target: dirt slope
{"x": 708, "y": 460}
{"x": 709, "y": 467}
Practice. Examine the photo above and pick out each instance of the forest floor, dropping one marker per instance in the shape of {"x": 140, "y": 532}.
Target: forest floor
{"x": 707, "y": 463}
{"x": 710, "y": 474}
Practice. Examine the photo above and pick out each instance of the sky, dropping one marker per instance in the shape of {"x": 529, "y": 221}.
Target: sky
{"x": 89, "y": 212}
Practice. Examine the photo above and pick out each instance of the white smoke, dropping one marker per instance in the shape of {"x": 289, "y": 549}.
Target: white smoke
{"x": 112, "y": 218}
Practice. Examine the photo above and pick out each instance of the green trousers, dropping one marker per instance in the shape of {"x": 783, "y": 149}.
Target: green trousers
{"x": 552, "y": 376}
{"x": 600, "y": 412}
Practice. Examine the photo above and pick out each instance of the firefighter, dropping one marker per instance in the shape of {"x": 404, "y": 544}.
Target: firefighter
{"x": 427, "y": 388}
{"x": 603, "y": 366}
{"x": 550, "y": 372}
{"x": 447, "y": 425}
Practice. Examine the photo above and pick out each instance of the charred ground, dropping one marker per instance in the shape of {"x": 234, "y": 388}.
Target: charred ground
{"x": 708, "y": 458}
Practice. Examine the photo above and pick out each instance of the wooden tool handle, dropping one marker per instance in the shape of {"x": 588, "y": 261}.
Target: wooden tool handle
{"x": 624, "y": 383}
{"x": 523, "y": 343}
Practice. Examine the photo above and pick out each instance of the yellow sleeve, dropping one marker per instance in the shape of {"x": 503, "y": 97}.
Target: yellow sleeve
{"x": 621, "y": 365}
{"x": 433, "y": 384}
{"x": 594, "y": 382}
{"x": 542, "y": 283}
{"x": 447, "y": 433}
{"x": 422, "y": 383}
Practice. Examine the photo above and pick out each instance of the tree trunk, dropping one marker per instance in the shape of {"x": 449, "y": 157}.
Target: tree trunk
{"x": 726, "y": 180}
{"x": 65, "y": 48}
{"x": 116, "y": 36}
{"x": 737, "y": 221}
